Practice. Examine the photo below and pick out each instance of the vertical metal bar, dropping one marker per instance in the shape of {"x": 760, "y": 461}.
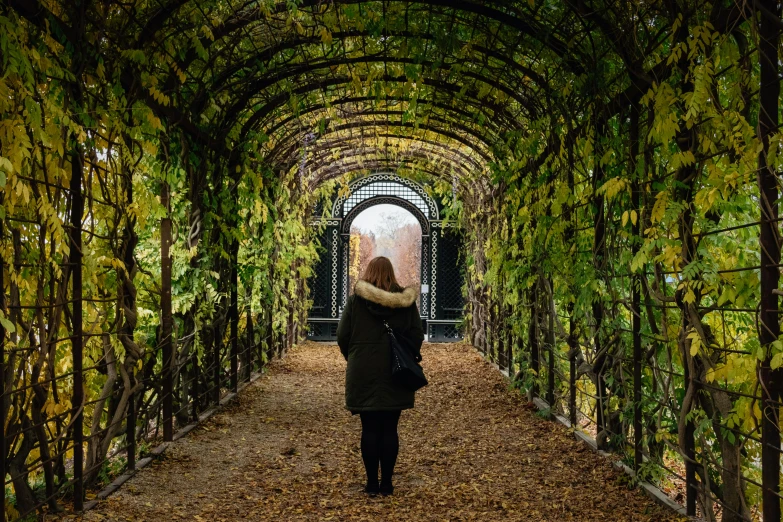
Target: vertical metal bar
{"x": 637, "y": 371}
{"x": 270, "y": 332}
{"x": 270, "y": 353}
{"x": 216, "y": 342}
{"x": 509, "y": 342}
{"x": 482, "y": 320}
{"x": 502, "y": 359}
{"x": 130, "y": 432}
{"x": 599, "y": 265}
{"x": 166, "y": 317}
{"x": 234, "y": 311}
{"x": 75, "y": 260}
{"x": 490, "y": 328}
{"x": 194, "y": 394}
{"x": 771, "y": 386}
{"x": 251, "y": 337}
{"x": 290, "y": 326}
{"x": 636, "y": 282}
{"x": 691, "y": 486}
{"x": 572, "y": 345}
{"x": 550, "y": 391}
{"x": 532, "y": 340}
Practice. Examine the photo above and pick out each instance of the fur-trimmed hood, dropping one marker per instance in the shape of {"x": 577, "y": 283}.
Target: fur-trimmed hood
{"x": 388, "y": 299}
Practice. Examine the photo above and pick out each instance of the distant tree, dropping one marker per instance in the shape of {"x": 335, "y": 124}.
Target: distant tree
{"x": 395, "y": 238}
{"x": 362, "y": 251}
{"x": 406, "y": 255}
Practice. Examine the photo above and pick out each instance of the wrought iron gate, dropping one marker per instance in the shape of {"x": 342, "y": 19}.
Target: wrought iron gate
{"x": 441, "y": 301}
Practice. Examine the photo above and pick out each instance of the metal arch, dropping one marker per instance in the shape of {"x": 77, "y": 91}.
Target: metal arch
{"x": 386, "y": 200}
{"x": 249, "y": 63}
{"x": 413, "y": 162}
{"x": 499, "y": 112}
{"x": 337, "y": 207}
{"x": 263, "y": 83}
{"x": 284, "y": 121}
{"x": 424, "y": 148}
{"x": 371, "y": 168}
{"x": 375, "y": 162}
{"x": 560, "y": 48}
{"x": 280, "y": 99}
{"x": 292, "y": 145}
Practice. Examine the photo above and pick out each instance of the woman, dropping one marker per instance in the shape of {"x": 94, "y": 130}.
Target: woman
{"x": 369, "y": 388}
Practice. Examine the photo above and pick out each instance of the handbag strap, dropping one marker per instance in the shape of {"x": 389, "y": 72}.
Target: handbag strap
{"x": 388, "y": 328}
{"x": 389, "y": 331}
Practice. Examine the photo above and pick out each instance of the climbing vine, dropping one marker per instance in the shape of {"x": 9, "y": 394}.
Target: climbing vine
{"x": 612, "y": 168}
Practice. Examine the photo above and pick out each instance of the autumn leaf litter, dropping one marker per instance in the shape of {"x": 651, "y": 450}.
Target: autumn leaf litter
{"x": 470, "y": 450}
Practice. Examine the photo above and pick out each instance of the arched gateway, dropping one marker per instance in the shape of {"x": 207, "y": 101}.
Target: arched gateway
{"x": 442, "y": 304}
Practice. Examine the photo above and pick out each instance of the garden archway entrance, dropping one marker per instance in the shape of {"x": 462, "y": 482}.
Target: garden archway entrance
{"x": 441, "y": 300}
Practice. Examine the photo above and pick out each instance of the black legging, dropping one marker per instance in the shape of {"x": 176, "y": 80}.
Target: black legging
{"x": 380, "y": 444}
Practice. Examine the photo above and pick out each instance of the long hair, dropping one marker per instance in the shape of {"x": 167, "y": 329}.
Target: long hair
{"x": 380, "y": 274}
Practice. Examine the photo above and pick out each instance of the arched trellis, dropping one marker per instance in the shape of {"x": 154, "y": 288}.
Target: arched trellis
{"x": 214, "y": 98}
{"x": 441, "y": 275}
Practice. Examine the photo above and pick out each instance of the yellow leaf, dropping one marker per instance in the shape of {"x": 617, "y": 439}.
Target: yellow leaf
{"x": 326, "y": 35}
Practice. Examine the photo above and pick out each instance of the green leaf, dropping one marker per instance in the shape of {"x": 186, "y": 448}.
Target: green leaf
{"x": 8, "y": 325}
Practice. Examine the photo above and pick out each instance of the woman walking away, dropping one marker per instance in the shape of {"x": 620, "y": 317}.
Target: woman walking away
{"x": 369, "y": 388}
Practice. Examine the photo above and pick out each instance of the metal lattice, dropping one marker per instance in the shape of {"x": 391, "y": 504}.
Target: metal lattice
{"x": 386, "y": 200}
{"x": 321, "y": 331}
{"x": 335, "y": 260}
{"x": 321, "y": 284}
{"x": 386, "y": 185}
{"x": 451, "y": 277}
{"x": 443, "y": 332}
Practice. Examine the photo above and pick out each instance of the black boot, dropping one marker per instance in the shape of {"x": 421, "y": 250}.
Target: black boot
{"x": 372, "y": 488}
{"x": 386, "y": 488}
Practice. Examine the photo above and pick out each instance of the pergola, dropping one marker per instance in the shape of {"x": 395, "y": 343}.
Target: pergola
{"x": 612, "y": 167}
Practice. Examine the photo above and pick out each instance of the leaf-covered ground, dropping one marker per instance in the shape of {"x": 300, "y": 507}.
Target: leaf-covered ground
{"x": 287, "y": 450}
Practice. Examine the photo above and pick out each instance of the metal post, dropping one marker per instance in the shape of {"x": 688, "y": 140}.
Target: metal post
{"x": 234, "y": 312}
{"x": 550, "y": 391}
{"x": 216, "y": 342}
{"x": 532, "y": 340}
{"x": 636, "y": 282}
{"x": 251, "y": 337}
{"x": 270, "y": 349}
{"x": 490, "y": 328}
{"x": 500, "y": 334}
{"x": 194, "y": 394}
{"x": 270, "y": 332}
{"x": 599, "y": 265}
{"x": 75, "y": 260}
{"x": 166, "y": 317}
{"x": 130, "y": 432}
{"x": 509, "y": 343}
{"x": 768, "y": 319}
{"x": 691, "y": 486}
{"x": 572, "y": 344}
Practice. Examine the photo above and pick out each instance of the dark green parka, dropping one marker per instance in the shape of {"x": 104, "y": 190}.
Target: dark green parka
{"x": 365, "y": 345}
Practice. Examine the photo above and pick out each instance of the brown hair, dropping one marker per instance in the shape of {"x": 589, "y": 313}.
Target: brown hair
{"x": 380, "y": 274}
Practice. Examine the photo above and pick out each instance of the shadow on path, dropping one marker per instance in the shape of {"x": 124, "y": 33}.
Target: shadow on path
{"x": 287, "y": 450}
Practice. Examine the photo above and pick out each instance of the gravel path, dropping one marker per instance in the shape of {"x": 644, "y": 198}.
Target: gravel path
{"x": 287, "y": 450}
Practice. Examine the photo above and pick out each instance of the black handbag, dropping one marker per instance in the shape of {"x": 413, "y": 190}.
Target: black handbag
{"x": 405, "y": 366}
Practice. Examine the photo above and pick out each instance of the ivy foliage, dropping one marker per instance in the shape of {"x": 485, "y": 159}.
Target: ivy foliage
{"x": 601, "y": 159}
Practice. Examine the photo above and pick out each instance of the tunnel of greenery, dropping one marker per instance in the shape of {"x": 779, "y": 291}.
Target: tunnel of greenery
{"x": 612, "y": 165}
